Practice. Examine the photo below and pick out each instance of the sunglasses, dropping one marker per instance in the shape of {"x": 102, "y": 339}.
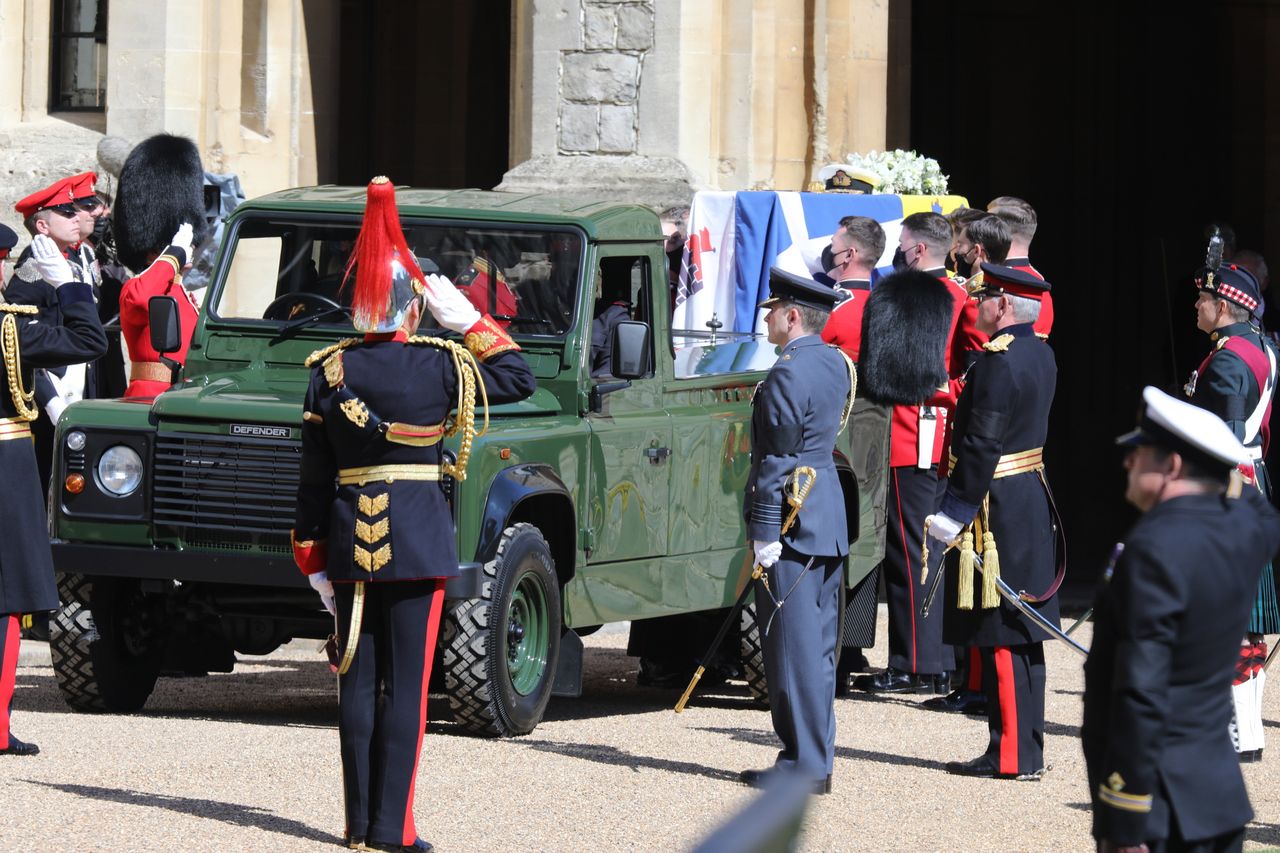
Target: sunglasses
{"x": 68, "y": 210}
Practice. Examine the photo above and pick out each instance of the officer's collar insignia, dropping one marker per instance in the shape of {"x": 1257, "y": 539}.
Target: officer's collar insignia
{"x": 1000, "y": 344}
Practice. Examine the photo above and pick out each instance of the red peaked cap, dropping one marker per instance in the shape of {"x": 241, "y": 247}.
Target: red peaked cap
{"x": 380, "y": 242}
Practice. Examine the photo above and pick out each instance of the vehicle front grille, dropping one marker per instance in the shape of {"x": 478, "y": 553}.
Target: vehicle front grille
{"x": 224, "y": 491}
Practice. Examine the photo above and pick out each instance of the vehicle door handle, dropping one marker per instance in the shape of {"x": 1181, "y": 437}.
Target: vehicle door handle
{"x": 657, "y": 455}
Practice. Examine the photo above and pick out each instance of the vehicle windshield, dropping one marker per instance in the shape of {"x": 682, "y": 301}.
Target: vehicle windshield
{"x": 287, "y": 270}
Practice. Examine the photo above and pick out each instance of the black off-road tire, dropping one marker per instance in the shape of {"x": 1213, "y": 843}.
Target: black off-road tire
{"x": 105, "y": 644}
{"x": 478, "y": 641}
{"x": 751, "y": 646}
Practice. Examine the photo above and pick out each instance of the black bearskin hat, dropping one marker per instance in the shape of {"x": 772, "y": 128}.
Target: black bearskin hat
{"x": 905, "y": 327}
{"x": 161, "y": 187}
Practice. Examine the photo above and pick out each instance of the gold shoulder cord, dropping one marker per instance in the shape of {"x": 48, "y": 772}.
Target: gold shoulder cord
{"x": 321, "y": 354}
{"x": 468, "y": 373}
{"x": 22, "y": 398}
{"x": 853, "y": 389}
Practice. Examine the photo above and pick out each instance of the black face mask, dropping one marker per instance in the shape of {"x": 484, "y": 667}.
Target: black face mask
{"x": 963, "y": 267}
{"x": 899, "y": 259}
{"x": 828, "y": 259}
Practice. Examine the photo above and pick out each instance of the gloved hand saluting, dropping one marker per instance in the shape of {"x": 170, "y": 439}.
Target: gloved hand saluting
{"x": 767, "y": 553}
{"x": 320, "y": 583}
{"x": 182, "y": 240}
{"x": 52, "y": 264}
{"x": 450, "y": 308}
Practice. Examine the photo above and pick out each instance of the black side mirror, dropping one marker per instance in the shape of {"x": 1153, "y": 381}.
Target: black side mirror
{"x": 630, "y": 355}
{"x": 165, "y": 324}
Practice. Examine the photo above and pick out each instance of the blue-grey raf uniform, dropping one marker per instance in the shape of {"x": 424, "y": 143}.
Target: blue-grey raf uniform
{"x": 796, "y": 416}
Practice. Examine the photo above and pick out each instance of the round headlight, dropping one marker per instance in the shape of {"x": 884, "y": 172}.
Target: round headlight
{"x": 75, "y": 440}
{"x": 120, "y": 470}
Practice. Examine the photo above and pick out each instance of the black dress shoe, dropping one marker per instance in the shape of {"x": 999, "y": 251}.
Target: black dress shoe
{"x": 982, "y": 768}
{"x": 959, "y": 702}
{"x": 764, "y": 778}
{"x": 19, "y": 747}
{"x": 353, "y": 842}
{"x": 896, "y": 681}
{"x": 418, "y": 846}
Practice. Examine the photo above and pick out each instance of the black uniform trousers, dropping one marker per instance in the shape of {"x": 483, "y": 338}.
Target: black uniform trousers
{"x": 799, "y": 641}
{"x": 1228, "y": 842}
{"x": 1014, "y": 683}
{"x": 915, "y": 643}
{"x": 10, "y": 637}
{"x": 381, "y": 741}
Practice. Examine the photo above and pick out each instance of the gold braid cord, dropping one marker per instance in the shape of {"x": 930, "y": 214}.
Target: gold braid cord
{"x": 467, "y": 370}
{"x": 23, "y": 400}
{"x": 321, "y": 354}
{"x": 353, "y": 629}
{"x": 853, "y": 389}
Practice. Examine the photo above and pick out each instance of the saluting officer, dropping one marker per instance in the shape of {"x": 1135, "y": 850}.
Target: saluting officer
{"x": 28, "y": 341}
{"x": 373, "y": 529}
{"x": 997, "y": 496}
{"x": 1237, "y": 381}
{"x": 1167, "y": 623}
{"x": 796, "y": 414}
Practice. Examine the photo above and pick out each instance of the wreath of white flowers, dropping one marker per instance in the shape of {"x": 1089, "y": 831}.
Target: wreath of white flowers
{"x": 903, "y": 172}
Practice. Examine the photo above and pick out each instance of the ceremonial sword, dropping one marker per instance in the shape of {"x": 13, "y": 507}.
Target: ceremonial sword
{"x": 801, "y": 482}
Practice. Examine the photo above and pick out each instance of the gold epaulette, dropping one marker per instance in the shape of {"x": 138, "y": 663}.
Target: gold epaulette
{"x": 1000, "y": 344}
{"x": 11, "y": 308}
{"x": 322, "y": 354}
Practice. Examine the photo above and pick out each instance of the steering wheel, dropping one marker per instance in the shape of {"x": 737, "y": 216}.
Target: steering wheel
{"x": 295, "y": 306}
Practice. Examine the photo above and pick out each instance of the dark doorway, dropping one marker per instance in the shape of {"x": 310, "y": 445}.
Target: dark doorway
{"x": 424, "y": 92}
{"x": 1128, "y": 134}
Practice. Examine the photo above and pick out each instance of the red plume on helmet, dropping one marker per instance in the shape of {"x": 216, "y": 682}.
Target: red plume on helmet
{"x": 381, "y": 241}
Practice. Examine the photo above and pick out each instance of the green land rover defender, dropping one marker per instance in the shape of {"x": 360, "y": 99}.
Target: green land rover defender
{"x": 614, "y": 493}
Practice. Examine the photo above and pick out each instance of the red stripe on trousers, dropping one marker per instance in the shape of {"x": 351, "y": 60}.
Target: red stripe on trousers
{"x": 433, "y": 629}
{"x": 1007, "y": 693}
{"x": 906, "y": 553}
{"x": 975, "y": 670}
{"x": 8, "y": 672}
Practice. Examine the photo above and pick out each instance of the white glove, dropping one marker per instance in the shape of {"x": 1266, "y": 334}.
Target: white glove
{"x": 54, "y": 408}
{"x": 320, "y": 583}
{"x": 451, "y": 309}
{"x": 767, "y": 553}
{"x": 182, "y": 239}
{"x": 943, "y": 528}
{"x": 52, "y": 264}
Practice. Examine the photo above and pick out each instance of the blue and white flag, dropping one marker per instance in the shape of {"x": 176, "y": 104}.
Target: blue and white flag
{"x": 735, "y": 237}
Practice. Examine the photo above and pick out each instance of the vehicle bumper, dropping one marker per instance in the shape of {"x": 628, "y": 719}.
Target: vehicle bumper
{"x": 190, "y": 566}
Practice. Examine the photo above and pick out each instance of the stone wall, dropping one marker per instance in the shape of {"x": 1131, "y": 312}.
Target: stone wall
{"x": 600, "y": 84}
{"x": 652, "y": 100}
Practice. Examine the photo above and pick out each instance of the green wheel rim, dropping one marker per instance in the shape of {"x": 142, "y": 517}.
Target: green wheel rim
{"x": 528, "y": 634}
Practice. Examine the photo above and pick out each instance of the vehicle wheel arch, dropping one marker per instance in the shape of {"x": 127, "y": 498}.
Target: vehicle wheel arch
{"x": 531, "y": 493}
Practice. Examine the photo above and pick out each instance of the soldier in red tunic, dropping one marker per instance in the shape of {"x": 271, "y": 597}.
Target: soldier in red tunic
{"x": 1020, "y": 218}
{"x": 917, "y": 663}
{"x": 855, "y": 248}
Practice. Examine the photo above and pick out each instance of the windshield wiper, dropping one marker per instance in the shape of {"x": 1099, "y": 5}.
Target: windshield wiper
{"x": 297, "y": 326}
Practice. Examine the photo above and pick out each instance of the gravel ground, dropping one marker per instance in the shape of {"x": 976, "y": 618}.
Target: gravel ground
{"x": 248, "y": 761}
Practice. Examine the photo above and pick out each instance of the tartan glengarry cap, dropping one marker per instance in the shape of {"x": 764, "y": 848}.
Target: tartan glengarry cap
{"x": 1232, "y": 283}
{"x": 1185, "y": 428}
